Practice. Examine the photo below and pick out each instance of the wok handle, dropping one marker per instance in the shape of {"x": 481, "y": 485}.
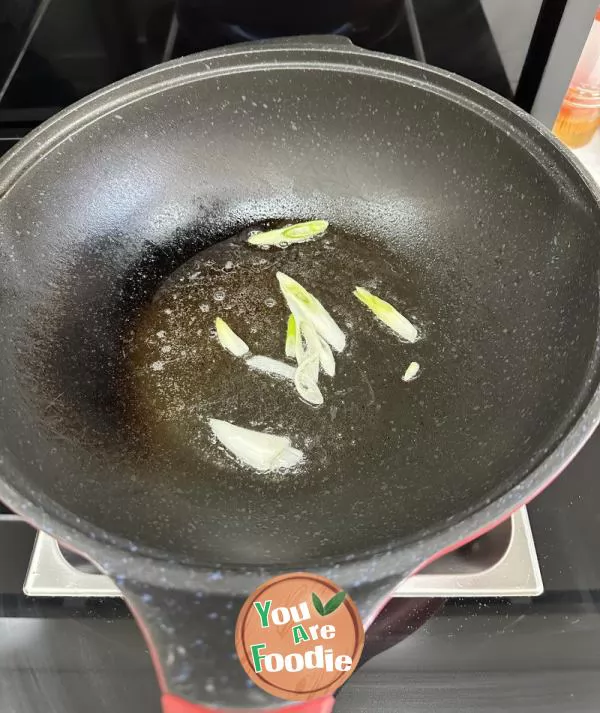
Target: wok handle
{"x": 174, "y": 704}
{"x": 191, "y": 638}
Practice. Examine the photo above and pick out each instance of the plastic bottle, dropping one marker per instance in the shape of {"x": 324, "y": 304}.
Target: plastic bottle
{"x": 579, "y": 115}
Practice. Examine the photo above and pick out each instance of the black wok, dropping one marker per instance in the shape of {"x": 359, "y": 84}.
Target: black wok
{"x": 495, "y": 230}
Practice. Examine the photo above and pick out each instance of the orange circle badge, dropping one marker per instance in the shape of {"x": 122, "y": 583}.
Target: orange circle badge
{"x": 299, "y": 636}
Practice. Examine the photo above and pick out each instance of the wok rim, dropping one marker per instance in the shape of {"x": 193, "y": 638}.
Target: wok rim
{"x": 123, "y": 558}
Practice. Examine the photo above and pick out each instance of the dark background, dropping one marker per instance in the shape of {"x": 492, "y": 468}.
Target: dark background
{"x": 53, "y": 52}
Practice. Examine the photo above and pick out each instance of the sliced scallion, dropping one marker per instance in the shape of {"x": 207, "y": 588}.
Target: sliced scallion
{"x": 388, "y": 315}
{"x": 261, "y": 451}
{"x": 274, "y": 367}
{"x": 307, "y": 347}
{"x": 306, "y": 307}
{"x": 290, "y": 338}
{"x": 311, "y": 343}
{"x": 411, "y": 371}
{"x": 306, "y": 385}
{"x": 308, "y": 355}
{"x": 326, "y": 358}
{"x": 229, "y": 339}
{"x": 282, "y": 237}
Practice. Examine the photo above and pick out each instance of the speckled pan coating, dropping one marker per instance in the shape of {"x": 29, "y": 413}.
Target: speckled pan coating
{"x": 499, "y": 228}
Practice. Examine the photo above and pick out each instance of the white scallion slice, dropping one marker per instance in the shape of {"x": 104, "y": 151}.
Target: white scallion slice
{"x": 229, "y": 339}
{"x": 298, "y": 233}
{"x": 305, "y": 382}
{"x": 261, "y": 451}
{"x": 388, "y": 315}
{"x": 307, "y": 346}
{"x": 411, "y": 371}
{"x": 274, "y": 367}
{"x": 311, "y": 343}
{"x": 326, "y": 358}
{"x": 299, "y": 348}
{"x": 306, "y": 307}
{"x": 290, "y": 338}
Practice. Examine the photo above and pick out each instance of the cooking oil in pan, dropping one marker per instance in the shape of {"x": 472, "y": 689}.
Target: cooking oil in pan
{"x": 181, "y": 376}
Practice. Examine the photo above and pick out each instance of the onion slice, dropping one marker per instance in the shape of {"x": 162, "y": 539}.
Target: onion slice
{"x": 411, "y": 371}
{"x": 282, "y": 237}
{"x": 290, "y": 338}
{"x": 229, "y": 339}
{"x": 306, "y": 307}
{"x": 388, "y": 315}
{"x": 274, "y": 367}
{"x": 261, "y": 451}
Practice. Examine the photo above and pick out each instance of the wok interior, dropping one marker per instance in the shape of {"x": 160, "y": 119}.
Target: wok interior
{"x": 494, "y": 249}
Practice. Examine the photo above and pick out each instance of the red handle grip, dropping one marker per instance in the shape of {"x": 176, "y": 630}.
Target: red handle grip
{"x": 174, "y": 704}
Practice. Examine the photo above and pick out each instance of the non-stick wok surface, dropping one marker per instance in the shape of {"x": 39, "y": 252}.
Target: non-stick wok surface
{"x": 482, "y": 233}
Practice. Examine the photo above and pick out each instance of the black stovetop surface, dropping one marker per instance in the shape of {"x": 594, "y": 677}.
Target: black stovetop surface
{"x": 53, "y": 52}
{"x": 74, "y": 655}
